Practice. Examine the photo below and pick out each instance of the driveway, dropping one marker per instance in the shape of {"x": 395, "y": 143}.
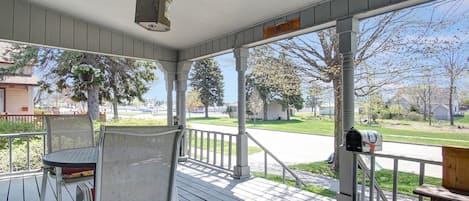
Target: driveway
{"x": 292, "y": 148}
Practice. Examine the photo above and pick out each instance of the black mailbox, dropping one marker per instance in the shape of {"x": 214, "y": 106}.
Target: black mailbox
{"x": 363, "y": 141}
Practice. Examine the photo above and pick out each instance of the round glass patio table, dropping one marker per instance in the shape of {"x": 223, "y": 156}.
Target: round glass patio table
{"x": 72, "y": 158}
{"x": 69, "y": 158}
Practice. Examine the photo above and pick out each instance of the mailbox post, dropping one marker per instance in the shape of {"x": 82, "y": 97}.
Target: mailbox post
{"x": 367, "y": 141}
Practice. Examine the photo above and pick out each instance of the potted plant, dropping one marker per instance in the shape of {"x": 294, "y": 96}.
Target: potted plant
{"x": 85, "y": 72}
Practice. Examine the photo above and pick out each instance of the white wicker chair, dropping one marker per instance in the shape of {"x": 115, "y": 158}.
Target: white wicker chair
{"x": 137, "y": 163}
{"x": 68, "y": 132}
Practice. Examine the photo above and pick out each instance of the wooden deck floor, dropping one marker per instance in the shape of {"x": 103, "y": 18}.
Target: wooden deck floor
{"x": 194, "y": 182}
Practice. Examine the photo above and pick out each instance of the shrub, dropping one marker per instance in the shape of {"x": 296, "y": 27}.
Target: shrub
{"x": 413, "y": 116}
{"x": 14, "y": 127}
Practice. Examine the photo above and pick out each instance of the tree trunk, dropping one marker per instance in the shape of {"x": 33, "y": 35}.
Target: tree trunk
{"x": 338, "y": 131}
{"x": 114, "y": 109}
{"x": 429, "y": 106}
{"x": 288, "y": 114}
{"x": 93, "y": 102}
{"x": 450, "y": 104}
{"x": 424, "y": 110}
{"x": 206, "y": 111}
{"x": 265, "y": 109}
{"x": 314, "y": 110}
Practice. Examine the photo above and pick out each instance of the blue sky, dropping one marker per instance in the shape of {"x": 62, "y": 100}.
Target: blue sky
{"x": 228, "y": 68}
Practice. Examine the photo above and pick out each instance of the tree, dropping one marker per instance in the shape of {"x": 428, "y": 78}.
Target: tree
{"x": 378, "y": 42}
{"x": 88, "y": 77}
{"x": 451, "y": 58}
{"x": 260, "y": 81}
{"x": 255, "y": 103}
{"x": 193, "y": 100}
{"x": 274, "y": 78}
{"x": 314, "y": 97}
{"x": 207, "y": 80}
{"x": 290, "y": 85}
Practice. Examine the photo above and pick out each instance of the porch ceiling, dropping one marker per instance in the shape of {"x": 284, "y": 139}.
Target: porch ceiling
{"x": 192, "y": 22}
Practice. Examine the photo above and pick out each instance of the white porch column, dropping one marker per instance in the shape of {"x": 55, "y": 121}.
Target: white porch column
{"x": 169, "y": 77}
{"x": 169, "y": 69}
{"x": 182, "y": 75}
{"x": 347, "y": 29}
{"x": 241, "y": 170}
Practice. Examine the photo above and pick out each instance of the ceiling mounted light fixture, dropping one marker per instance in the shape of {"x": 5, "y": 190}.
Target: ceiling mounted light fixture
{"x": 153, "y": 14}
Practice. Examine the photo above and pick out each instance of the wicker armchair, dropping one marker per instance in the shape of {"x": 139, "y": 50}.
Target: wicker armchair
{"x": 135, "y": 163}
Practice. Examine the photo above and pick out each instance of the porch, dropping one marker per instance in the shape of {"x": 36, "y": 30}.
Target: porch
{"x": 194, "y": 182}
{"x": 74, "y": 25}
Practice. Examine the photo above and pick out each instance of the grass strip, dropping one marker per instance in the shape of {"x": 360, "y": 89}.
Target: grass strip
{"x": 251, "y": 149}
{"x": 406, "y": 183}
{"x": 290, "y": 182}
{"x": 326, "y": 127}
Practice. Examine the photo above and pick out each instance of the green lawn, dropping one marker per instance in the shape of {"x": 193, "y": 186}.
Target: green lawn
{"x": 326, "y": 127}
{"x": 251, "y": 150}
{"x": 407, "y": 182}
{"x": 131, "y": 122}
{"x": 311, "y": 188}
{"x": 462, "y": 120}
{"x": 151, "y": 122}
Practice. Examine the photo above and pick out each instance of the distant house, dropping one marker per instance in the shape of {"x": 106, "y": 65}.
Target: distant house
{"x": 408, "y": 97}
{"x": 326, "y": 109}
{"x": 17, "y": 89}
{"x": 275, "y": 111}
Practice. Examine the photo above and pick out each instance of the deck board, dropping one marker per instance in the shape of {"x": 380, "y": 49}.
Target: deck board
{"x": 195, "y": 182}
{"x": 16, "y": 195}
{"x": 31, "y": 190}
{"x": 4, "y": 186}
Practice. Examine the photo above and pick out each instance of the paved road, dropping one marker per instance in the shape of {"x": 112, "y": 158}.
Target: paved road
{"x": 292, "y": 148}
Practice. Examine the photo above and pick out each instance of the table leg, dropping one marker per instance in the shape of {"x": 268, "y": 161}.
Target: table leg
{"x": 58, "y": 180}
{"x": 45, "y": 171}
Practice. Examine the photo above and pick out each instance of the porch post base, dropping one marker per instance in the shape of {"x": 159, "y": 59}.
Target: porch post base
{"x": 183, "y": 158}
{"x": 241, "y": 172}
{"x": 344, "y": 197}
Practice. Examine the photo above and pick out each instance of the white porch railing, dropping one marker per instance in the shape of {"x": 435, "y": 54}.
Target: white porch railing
{"x": 370, "y": 172}
{"x": 218, "y": 149}
{"x": 298, "y": 181}
{"x": 212, "y": 148}
{"x": 11, "y": 169}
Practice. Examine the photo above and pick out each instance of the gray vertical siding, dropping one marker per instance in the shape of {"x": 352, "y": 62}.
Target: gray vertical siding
{"x": 24, "y": 22}
{"x": 320, "y": 14}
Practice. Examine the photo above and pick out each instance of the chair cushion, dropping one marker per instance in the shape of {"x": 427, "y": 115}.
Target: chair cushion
{"x": 85, "y": 192}
{"x": 72, "y": 173}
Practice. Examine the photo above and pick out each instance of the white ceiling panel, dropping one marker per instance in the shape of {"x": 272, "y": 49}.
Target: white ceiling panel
{"x": 192, "y": 21}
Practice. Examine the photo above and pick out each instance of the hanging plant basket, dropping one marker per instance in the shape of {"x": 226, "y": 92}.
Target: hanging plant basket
{"x": 86, "y": 77}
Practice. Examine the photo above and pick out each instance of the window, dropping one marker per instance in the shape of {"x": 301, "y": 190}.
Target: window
{"x": 2, "y": 100}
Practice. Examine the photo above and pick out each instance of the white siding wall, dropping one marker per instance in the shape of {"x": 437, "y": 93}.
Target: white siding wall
{"x": 18, "y": 97}
{"x": 441, "y": 113}
{"x": 274, "y": 111}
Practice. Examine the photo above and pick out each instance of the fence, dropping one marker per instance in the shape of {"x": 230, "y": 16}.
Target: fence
{"x": 36, "y": 119}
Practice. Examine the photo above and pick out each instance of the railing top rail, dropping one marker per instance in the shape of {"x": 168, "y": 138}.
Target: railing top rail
{"x": 216, "y": 132}
{"x": 23, "y": 134}
{"x": 275, "y": 158}
{"x": 405, "y": 158}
